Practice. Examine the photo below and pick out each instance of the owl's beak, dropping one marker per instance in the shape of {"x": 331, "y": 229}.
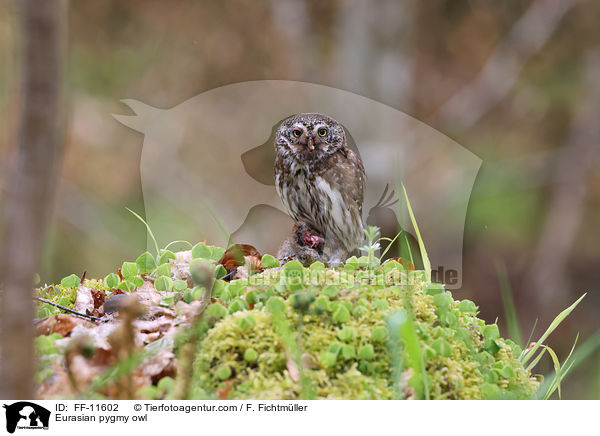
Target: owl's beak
{"x": 310, "y": 143}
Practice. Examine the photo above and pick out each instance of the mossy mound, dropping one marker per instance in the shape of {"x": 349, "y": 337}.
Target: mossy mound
{"x": 357, "y": 332}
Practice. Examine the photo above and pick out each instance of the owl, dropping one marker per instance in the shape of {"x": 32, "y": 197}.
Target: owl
{"x": 321, "y": 181}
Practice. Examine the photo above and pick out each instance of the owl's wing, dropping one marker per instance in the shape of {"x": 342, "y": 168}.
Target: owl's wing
{"x": 348, "y": 172}
{"x": 357, "y": 188}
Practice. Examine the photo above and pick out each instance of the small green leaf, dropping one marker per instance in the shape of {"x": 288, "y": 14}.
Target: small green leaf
{"x": 341, "y": 314}
{"x": 392, "y": 264}
{"x": 223, "y": 372}
{"x": 64, "y": 301}
{"x": 269, "y": 261}
{"x": 237, "y": 305}
{"x": 250, "y": 355}
{"x": 302, "y": 300}
{"x": 380, "y": 304}
{"x": 135, "y": 282}
{"x": 348, "y": 352}
{"x": 317, "y": 266}
{"x": 166, "y": 384}
{"x": 125, "y": 286}
{"x": 293, "y": 265}
{"x": 366, "y": 352}
{"x": 247, "y": 322}
{"x": 201, "y": 250}
{"x": 252, "y": 296}
{"x": 165, "y": 256}
{"x": 434, "y": 289}
{"x": 491, "y": 331}
{"x": 276, "y": 305}
{"x": 145, "y": 263}
{"x": 491, "y": 346}
{"x": 347, "y": 334}
{"x": 71, "y": 281}
{"x": 331, "y": 290}
{"x": 163, "y": 270}
{"x": 163, "y": 283}
{"x": 442, "y": 301}
{"x": 490, "y": 391}
{"x": 187, "y": 296}
{"x": 216, "y": 310}
{"x": 111, "y": 281}
{"x": 167, "y": 301}
{"x": 442, "y": 347}
{"x": 327, "y": 359}
{"x": 379, "y": 334}
{"x": 180, "y": 285}
{"x": 216, "y": 253}
{"x": 220, "y": 271}
{"x": 197, "y": 292}
{"x": 351, "y": 264}
{"x": 507, "y": 372}
{"x": 45, "y": 310}
{"x": 335, "y": 348}
{"x": 359, "y": 311}
{"x": 129, "y": 269}
{"x": 467, "y": 306}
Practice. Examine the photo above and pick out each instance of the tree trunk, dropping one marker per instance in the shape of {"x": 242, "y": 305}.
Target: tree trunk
{"x": 29, "y": 187}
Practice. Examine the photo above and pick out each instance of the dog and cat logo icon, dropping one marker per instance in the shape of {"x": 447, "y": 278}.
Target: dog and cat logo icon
{"x": 26, "y": 415}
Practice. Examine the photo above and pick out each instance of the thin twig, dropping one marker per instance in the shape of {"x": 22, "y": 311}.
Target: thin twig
{"x": 66, "y": 309}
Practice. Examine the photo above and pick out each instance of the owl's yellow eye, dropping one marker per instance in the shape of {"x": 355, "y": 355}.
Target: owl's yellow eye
{"x": 297, "y": 132}
{"x": 322, "y": 131}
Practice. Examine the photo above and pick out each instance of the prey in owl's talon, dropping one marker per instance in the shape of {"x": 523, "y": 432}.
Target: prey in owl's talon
{"x": 304, "y": 245}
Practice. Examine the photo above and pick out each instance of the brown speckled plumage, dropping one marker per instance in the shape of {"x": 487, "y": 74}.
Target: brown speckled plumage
{"x": 321, "y": 181}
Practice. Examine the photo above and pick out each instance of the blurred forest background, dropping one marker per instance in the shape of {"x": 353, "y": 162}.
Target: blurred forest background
{"x": 516, "y": 82}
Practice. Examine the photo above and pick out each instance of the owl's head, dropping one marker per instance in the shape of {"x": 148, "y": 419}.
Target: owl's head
{"x": 309, "y": 137}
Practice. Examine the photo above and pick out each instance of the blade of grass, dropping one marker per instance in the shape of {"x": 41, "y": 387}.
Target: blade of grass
{"x": 556, "y": 363}
{"x": 530, "y": 335}
{"x": 402, "y": 322}
{"x": 512, "y": 320}
{"x": 389, "y": 245}
{"x": 404, "y": 249}
{"x": 560, "y": 318}
{"x": 177, "y": 242}
{"x": 425, "y": 258}
{"x": 561, "y": 372}
{"x": 536, "y": 360}
{"x": 148, "y": 228}
{"x": 583, "y": 352}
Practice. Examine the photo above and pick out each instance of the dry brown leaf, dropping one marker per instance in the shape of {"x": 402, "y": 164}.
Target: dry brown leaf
{"x": 308, "y": 361}
{"x": 84, "y": 303}
{"x": 149, "y": 331}
{"x": 60, "y": 323}
{"x": 98, "y": 296}
{"x": 292, "y": 368}
{"x": 241, "y": 254}
{"x": 158, "y": 365}
{"x": 148, "y": 295}
{"x": 223, "y": 393}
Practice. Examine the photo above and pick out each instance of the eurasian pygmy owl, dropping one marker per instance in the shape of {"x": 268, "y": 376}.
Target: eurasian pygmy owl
{"x": 321, "y": 181}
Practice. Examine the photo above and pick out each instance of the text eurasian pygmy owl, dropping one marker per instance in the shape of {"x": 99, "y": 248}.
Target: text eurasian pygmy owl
{"x": 321, "y": 181}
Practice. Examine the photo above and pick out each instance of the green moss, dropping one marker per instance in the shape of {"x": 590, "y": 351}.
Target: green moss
{"x": 337, "y": 319}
